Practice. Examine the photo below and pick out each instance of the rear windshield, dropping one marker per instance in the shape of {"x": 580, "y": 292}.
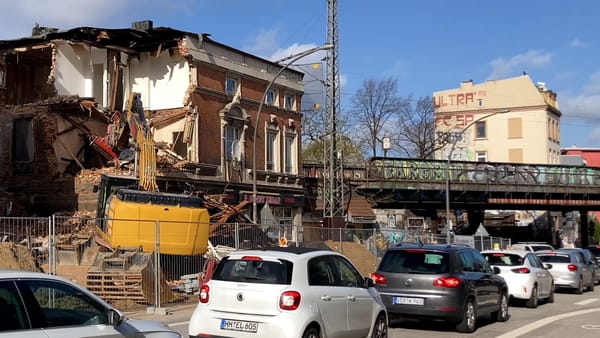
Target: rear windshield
{"x": 535, "y": 247}
{"x": 594, "y": 250}
{"x": 555, "y": 258}
{"x": 501, "y": 259}
{"x": 414, "y": 261}
{"x": 254, "y": 271}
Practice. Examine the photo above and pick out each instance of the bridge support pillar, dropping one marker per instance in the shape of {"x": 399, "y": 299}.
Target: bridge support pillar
{"x": 584, "y": 233}
{"x": 475, "y": 218}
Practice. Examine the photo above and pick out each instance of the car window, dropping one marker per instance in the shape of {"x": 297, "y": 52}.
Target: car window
{"x": 502, "y": 259}
{"x": 538, "y": 247}
{"x": 555, "y": 258}
{"x": 319, "y": 272}
{"x": 481, "y": 265}
{"x": 414, "y": 261}
{"x": 254, "y": 270}
{"x": 533, "y": 261}
{"x": 467, "y": 261}
{"x": 344, "y": 274}
{"x": 63, "y": 305}
{"x": 12, "y": 316}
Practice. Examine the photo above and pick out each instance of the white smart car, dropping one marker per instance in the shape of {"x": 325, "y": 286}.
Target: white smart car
{"x": 33, "y": 304}
{"x": 288, "y": 292}
{"x": 526, "y": 276}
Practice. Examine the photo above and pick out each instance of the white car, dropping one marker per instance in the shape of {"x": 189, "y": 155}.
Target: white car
{"x": 526, "y": 276}
{"x": 288, "y": 292}
{"x": 33, "y": 304}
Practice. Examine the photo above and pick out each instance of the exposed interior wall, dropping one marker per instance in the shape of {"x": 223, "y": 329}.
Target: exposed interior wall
{"x": 72, "y": 71}
{"x": 162, "y": 81}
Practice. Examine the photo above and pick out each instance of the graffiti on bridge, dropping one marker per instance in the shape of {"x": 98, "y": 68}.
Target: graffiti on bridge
{"x": 482, "y": 172}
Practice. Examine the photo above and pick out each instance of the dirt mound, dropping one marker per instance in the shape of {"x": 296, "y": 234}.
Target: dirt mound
{"x": 13, "y": 256}
{"x": 362, "y": 258}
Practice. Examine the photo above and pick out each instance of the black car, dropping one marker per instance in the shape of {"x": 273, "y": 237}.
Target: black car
{"x": 595, "y": 250}
{"x": 452, "y": 283}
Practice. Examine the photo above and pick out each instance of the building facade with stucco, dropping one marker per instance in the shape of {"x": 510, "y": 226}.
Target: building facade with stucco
{"x": 511, "y": 120}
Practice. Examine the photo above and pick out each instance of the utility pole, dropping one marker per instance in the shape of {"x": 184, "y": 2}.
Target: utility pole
{"x": 333, "y": 204}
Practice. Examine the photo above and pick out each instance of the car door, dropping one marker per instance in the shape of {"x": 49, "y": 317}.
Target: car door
{"x": 360, "y": 301}
{"x": 586, "y": 268}
{"x": 486, "y": 288}
{"x": 330, "y": 299}
{"x": 14, "y": 321}
{"x": 61, "y": 310}
{"x": 543, "y": 276}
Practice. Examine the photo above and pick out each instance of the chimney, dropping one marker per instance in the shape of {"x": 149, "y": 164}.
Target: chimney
{"x": 145, "y": 25}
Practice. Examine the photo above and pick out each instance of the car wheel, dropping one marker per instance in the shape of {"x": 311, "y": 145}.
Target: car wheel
{"x": 532, "y": 302}
{"x": 468, "y": 322}
{"x": 311, "y": 332}
{"x": 502, "y": 314}
{"x": 380, "y": 329}
{"x": 551, "y": 296}
{"x": 579, "y": 288}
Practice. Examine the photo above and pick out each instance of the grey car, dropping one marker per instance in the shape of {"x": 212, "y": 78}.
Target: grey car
{"x": 590, "y": 260}
{"x": 33, "y": 304}
{"x": 569, "y": 269}
{"x": 452, "y": 283}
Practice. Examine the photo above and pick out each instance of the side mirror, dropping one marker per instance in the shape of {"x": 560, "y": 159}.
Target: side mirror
{"x": 115, "y": 318}
{"x": 547, "y": 266}
{"x": 369, "y": 283}
{"x": 496, "y": 269}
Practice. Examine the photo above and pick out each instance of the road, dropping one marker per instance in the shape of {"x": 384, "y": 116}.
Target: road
{"x": 570, "y": 315}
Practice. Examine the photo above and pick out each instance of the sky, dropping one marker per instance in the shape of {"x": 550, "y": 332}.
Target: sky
{"x": 426, "y": 45}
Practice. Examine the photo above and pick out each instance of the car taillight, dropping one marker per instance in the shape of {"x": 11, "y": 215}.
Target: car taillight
{"x": 251, "y": 258}
{"x": 289, "y": 300}
{"x": 204, "y": 294}
{"x": 521, "y": 270}
{"x": 378, "y": 278}
{"x": 572, "y": 267}
{"x": 447, "y": 282}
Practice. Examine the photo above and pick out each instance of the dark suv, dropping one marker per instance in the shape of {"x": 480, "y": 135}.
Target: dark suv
{"x": 442, "y": 282}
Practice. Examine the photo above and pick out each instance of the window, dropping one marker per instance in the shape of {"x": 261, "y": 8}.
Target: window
{"x": 270, "y": 97}
{"x": 2, "y": 81}
{"x": 515, "y": 128}
{"x": 232, "y": 142}
{"x": 271, "y": 149}
{"x": 290, "y": 102}
{"x": 231, "y": 86}
{"x": 481, "y": 156}
{"x": 290, "y": 152}
{"x": 515, "y": 155}
{"x": 63, "y": 305}
{"x": 23, "y": 140}
{"x": 480, "y": 130}
{"x": 11, "y": 309}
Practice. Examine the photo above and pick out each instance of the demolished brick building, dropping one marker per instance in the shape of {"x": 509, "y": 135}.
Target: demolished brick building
{"x": 61, "y": 93}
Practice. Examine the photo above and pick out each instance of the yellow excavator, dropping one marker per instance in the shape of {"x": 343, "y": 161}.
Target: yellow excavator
{"x": 135, "y": 214}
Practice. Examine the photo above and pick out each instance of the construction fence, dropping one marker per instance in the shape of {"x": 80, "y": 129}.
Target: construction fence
{"x": 145, "y": 268}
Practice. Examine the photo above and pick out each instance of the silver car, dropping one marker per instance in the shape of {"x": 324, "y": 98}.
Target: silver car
{"x": 569, "y": 269}
{"x": 34, "y": 304}
{"x": 288, "y": 292}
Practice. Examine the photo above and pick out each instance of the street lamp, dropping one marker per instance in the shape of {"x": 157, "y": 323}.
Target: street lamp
{"x": 292, "y": 59}
{"x": 449, "y": 158}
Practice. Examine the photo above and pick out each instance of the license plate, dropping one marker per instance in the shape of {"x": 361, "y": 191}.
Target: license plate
{"x": 408, "y": 301}
{"x": 239, "y": 325}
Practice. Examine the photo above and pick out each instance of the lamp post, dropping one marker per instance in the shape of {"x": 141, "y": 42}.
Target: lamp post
{"x": 292, "y": 59}
{"x": 449, "y": 158}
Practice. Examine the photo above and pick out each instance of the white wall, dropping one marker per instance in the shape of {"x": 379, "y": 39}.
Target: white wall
{"x": 72, "y": 69}
{"x": 167, "y": 83}
{"x": 165, "y": 134}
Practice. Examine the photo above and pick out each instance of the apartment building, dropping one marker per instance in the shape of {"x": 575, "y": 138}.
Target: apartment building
{"x": 61, "y": 91}
{"x": 509, "y": 120}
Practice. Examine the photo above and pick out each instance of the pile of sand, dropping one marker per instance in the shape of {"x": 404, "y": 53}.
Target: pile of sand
{"x": 14, "y": 256}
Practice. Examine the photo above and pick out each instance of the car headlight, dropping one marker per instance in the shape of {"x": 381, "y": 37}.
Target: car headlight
{"x": 165, "y": 334}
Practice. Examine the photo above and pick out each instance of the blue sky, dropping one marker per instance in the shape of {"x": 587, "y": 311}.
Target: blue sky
{"x": 427, "y": 45}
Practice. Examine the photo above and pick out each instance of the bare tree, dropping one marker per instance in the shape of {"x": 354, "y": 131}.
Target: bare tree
{"x": 374, "y": 106}
{"x": 416, "y": 136}
{"x": 315, "y": 133}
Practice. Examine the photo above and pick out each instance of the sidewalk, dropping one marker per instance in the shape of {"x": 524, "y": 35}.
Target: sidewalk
{"x": 169, "y": 313}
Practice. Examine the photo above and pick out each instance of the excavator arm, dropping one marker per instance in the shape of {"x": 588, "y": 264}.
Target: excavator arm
{"x": 144, "y": 143}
